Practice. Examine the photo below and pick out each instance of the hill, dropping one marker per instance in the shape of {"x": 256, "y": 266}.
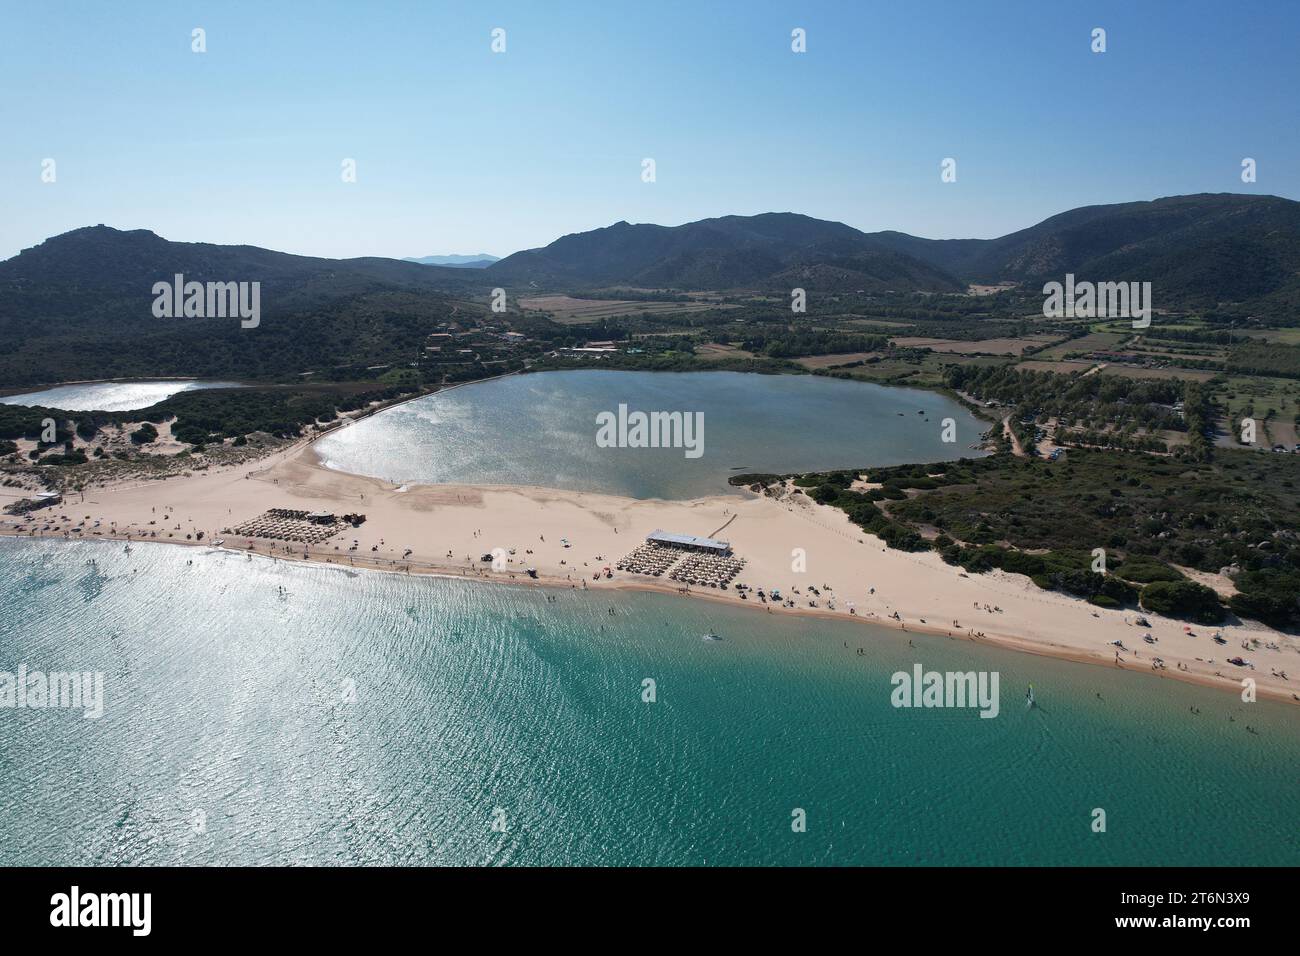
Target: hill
{"x": 772, "y": 250}
{"x": 1203, "y": 251}
{"x": 1199, "y": 251}
{"x": 80, "y": 305}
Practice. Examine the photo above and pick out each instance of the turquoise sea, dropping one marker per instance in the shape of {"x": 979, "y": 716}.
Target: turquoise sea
{"x": 260, "y": 712}
{"x": 540, "y": 430}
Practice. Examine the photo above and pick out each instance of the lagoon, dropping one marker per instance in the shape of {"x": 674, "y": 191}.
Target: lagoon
{"x": 541, "y": 430}
{"x": 109, "y": 396}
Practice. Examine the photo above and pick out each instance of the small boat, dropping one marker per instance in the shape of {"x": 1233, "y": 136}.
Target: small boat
{"x": 710, "y": 637}
{"x": 1240, "y": 662}
{"x": 1029, "y": 697}
{"x": 532, "y": 572}
{"x": 1219, "y": 640}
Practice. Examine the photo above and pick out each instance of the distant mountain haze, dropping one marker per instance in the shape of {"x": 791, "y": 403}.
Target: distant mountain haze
{"x": 480, "y": 261}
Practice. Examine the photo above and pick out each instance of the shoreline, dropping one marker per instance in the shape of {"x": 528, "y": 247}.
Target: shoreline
{"x": 454, "y": 573}
{"x": 121, "y": 381}
{"x": 441, "y": 530}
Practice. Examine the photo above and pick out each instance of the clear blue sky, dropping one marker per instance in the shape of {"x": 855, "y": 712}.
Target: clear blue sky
{"x": 460, "y": 150}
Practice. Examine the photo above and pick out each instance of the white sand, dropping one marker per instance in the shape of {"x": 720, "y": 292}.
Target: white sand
{"x": 469, "y": 521}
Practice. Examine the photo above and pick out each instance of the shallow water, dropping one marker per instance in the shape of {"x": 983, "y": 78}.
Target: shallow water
{"x": 541, "y": 430}
{"x": 109, "y": 396}
{"x": 373, "y": 718}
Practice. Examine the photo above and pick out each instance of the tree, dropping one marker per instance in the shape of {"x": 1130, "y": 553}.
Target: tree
{"x": 1183, "y": 599}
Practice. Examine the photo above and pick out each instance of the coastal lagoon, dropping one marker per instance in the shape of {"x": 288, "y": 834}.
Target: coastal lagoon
{"x": 540, "y": 429}
{"x": 275, "y": 713}
{"x": 109, "y": 396}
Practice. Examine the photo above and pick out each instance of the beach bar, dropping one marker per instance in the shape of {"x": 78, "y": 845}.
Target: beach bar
{"x": 688, "y": 542}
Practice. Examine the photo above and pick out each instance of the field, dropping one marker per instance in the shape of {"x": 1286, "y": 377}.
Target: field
{"x": 570, "y": 311}
{"x": 1284, "y": 336}
{"x": 714, "y": 350}
{"x": 1094, "y": 341}
{"x": 978, "y": 290}
{"x": 1165, "y": 353}
{"x": 870, "y": 325}
{"x": 1014, "y": 346}
{"x": 826, "y": 361}
{"x": 925, "y": 372}
{"x": 1255, "y": 397}
{"x": 1060, "y": 368}
{"x": 1134, "y": 371}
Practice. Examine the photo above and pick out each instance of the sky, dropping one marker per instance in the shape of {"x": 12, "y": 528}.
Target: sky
{"x": 460, "y": 149}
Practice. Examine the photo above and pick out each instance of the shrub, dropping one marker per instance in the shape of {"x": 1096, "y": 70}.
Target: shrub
{"x": 1147, "y": 570}
{"x": 1017, "y": 562}
{"x": 1183, "y": 599}
{"x": 145, "y": 434}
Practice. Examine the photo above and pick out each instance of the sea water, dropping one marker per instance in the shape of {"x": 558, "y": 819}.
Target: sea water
{"x": 260, "y": 712}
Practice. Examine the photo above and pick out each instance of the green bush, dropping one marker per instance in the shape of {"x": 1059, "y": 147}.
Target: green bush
{"x": 1183, "y": 599}
{"x": 1271, "y": 595}
{"x": 145, "y": 434}
{"x": 1018, "y": 562}
{"x": 1144, "y": 570}
{"x": 77, "y": 457}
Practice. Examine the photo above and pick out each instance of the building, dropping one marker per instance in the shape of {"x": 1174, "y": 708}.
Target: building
{"x": 688, "y": 542}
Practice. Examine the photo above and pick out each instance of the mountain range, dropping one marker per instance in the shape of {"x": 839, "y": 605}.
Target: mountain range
{"x": 1198, "y": 251}
{"x": 73, "y": 295}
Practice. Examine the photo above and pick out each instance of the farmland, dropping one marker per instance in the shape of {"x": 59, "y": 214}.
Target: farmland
{"x": 568, "y": 310}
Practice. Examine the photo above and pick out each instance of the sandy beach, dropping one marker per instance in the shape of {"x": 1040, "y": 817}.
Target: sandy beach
{"x": 446, "y": 529}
